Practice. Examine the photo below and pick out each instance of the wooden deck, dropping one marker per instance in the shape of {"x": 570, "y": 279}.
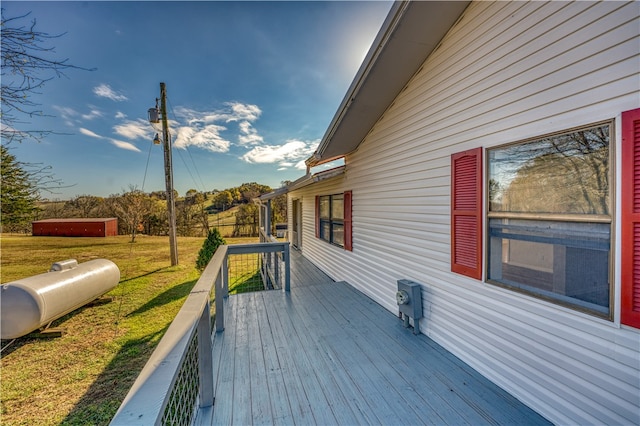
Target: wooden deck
{"x": 326, "y": 354}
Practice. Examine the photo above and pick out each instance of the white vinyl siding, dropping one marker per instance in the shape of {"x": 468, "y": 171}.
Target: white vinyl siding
{"x": 507, "y": 71}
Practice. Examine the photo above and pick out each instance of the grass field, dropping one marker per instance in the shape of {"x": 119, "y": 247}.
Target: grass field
{"x": 224, "y": 221}
{"x": 82, "y": 377}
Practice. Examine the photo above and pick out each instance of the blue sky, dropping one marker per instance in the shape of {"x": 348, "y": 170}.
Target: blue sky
{"x": 252, "y": 87}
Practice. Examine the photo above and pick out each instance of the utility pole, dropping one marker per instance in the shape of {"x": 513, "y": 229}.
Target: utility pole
{"x": 168, "y": 176}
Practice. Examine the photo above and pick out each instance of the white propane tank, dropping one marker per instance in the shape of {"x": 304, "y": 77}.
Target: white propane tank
{"x": 33, "y": 302}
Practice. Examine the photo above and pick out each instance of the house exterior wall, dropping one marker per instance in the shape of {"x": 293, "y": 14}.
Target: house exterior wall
{"x": 507, "y": 71}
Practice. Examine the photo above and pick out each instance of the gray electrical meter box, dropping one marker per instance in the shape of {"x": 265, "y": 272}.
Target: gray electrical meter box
{"x": 409, "y": 299}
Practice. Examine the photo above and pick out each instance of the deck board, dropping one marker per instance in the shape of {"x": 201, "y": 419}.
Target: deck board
{"x": 395, "y": 369}
{"x": 410, "y": 387}
{"x": 364, "y": 369}
{"x": 280, "y": 408}
{"x": 295, "y": 392}
{"x": 260, "y": 393}
{"x": 224, "y": 369}
{"x": 326, "y": 354}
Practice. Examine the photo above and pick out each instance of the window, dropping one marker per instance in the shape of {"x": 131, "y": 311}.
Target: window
{"x": 333, "y": 219}
{"x": 549, "y": 217}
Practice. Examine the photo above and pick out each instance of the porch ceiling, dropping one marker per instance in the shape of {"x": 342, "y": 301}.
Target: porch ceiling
{"x": 410, "y": 33}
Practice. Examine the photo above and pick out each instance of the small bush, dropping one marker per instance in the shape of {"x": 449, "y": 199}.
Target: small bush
{"x": 210, "y": 245}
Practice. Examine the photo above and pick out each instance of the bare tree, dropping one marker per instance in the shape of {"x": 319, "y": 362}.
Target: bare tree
{"x": 27, "y": 65}
{"x": 131, "y": 208}
{"x": 85, "y": 205}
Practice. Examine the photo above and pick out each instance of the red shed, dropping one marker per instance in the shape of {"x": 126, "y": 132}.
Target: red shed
{"x": 76, "y": 227}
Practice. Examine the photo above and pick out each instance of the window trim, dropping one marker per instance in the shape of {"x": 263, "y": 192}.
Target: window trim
{"x": 345, "y": 221}
{"x": 565, "y": 217}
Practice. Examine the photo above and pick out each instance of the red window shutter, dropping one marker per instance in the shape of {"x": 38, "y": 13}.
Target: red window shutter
{"x": 348, "y": 245}
{"x": 466, "y": 213}
{"x": 317, "y": 216}
{"x": 630, "y": 313}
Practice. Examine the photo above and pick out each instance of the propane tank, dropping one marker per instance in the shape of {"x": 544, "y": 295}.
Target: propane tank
{"x": 31, "y": 303}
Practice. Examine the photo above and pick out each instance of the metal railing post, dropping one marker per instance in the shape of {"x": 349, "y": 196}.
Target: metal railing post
{"x": 225, "y": 277}
{"x": 205, "y": 359}
{"x": 276, "y": 269}
{"x": 220, "y": 302}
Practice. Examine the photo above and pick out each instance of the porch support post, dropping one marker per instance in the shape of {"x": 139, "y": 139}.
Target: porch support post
{"x": 287, "y": 267}
{"x": 267, "y": 221}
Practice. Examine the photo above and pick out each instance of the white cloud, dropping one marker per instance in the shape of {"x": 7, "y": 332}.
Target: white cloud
{"x": 244, "y": 112}
{"x": 234, "y": 111}
{"x": 133, "y": 129}
{"x": 120, "y": 144}
{"x": 89, "y": 133}
{"x": 195, "y": 118}
{"x": 203, "y": 128}
{"x": 207, "y": 137}
{"x": 249, "y": 135}
{"x": 285, "y": 155}
{"x": 120, "y": 115}
{"x": 67, "y": 114}
{"x": 125, "y": 145}
{"x": 105, "y": 91}
{"x": 72, "y": 117}
{"x": 94, "y": 113}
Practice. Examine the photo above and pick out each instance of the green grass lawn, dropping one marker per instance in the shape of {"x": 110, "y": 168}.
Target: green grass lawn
{"x": 82, "y": 377}
{"x": 224, "y": 221}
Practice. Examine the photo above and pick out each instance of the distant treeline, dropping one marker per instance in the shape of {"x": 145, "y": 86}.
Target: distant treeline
{"x": 146, "y": 213}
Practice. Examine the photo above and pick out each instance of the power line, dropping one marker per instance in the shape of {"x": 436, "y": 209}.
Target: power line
{"x": 146, "y": 169}
{"x": 196, "y": 168}
{"x": 202, "y": 186}
{"x": 188, "y": 170}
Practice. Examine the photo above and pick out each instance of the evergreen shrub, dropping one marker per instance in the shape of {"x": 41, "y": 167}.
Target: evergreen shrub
{"x": 209, "y": 247}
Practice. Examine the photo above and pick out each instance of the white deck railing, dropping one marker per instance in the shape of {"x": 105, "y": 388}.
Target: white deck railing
{"x": 178, "y": 379}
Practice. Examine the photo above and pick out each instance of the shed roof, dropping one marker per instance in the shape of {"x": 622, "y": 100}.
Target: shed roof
{"x": 409, "y": 34}
{"x": 77, "y": 220}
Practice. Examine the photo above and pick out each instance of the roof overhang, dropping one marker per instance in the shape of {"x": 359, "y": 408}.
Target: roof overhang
{"x": 309, "y": 179}
{"x": 271, "y": 195}
{"x": 409, "y": 34}
{"x": 305, "y": 180}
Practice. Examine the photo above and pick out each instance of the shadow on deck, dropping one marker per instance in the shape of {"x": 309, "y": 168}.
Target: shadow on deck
{"x": 327, "y": 354}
